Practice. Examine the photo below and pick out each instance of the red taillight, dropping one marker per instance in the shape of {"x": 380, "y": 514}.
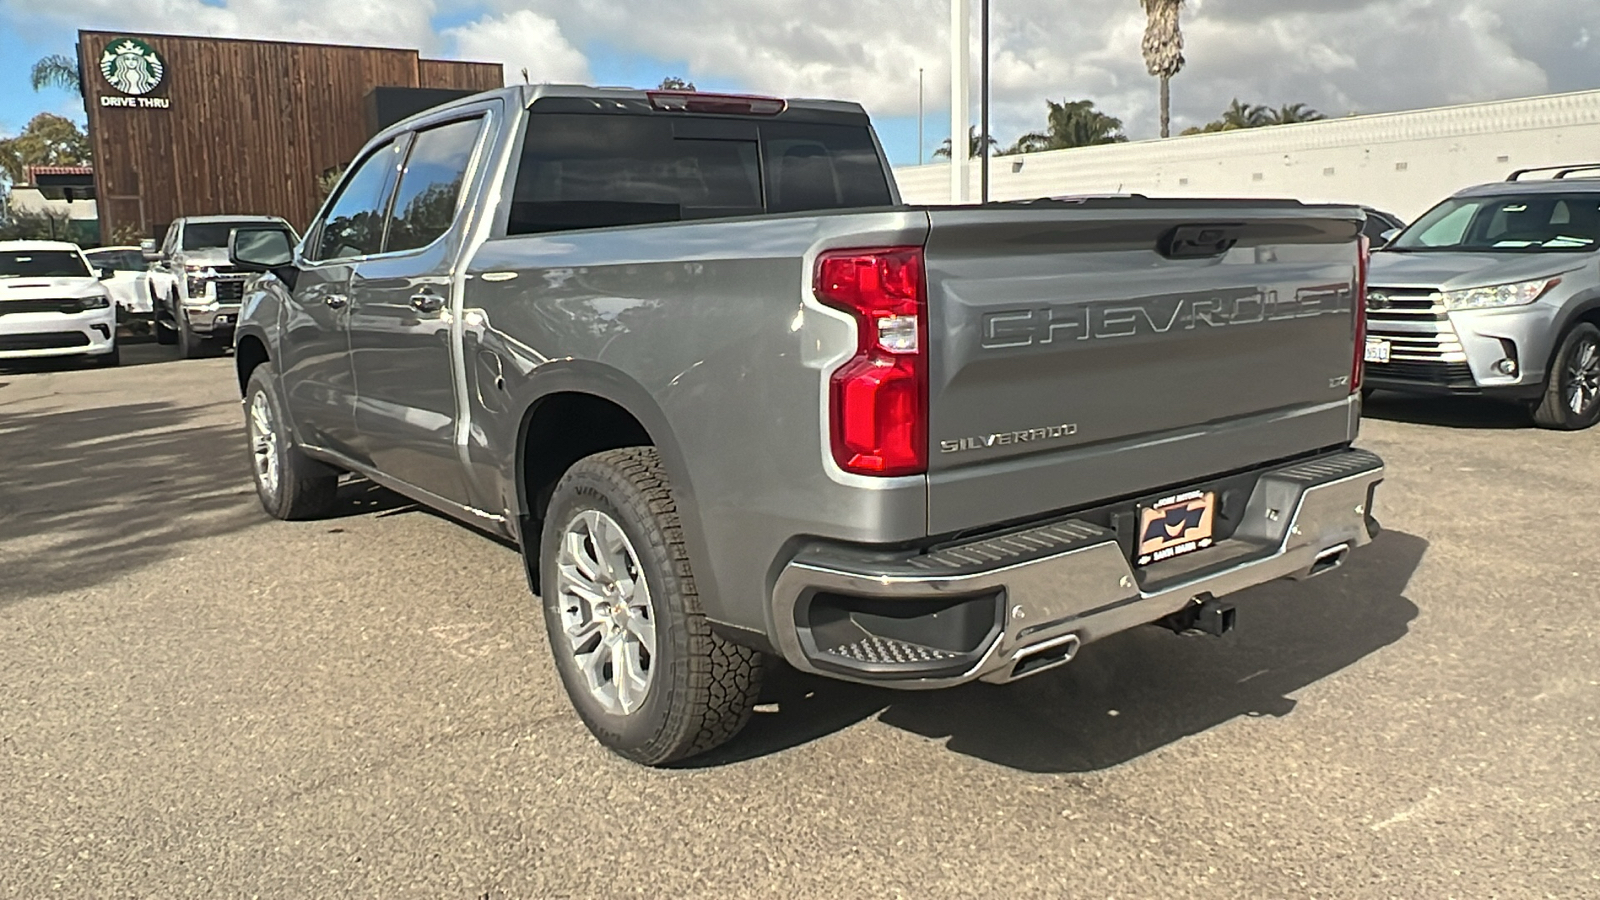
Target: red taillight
{"x": 878, "y": 403}
{"x": 726, "y": 104}
{"x": 1362, "y": 262}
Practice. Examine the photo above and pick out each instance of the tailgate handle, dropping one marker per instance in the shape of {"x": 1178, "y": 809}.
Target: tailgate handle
{"x": 1199, "y": 241}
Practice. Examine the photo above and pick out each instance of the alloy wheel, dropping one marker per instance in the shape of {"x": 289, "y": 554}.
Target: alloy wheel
{"x": 264, "y": 442}
{"x": 1583, "y": 377}
{"x": 606, "y": 611}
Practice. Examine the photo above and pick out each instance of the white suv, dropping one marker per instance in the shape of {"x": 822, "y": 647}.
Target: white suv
{"x": 53, "y": 303}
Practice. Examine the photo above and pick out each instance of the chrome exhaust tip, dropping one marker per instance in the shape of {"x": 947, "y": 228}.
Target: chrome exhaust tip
{"x": 1325, "y": 562}
{"x": 1056, "y": 652}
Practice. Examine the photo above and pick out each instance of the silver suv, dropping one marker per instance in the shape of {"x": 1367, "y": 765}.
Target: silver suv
{"x": 1496, "y": 292}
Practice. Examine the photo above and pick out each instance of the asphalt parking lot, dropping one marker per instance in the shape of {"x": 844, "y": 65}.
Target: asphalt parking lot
{"x": 196, "y": 701}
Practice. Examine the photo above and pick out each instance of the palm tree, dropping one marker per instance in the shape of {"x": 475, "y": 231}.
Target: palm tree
{"x": 1071, "y": 123}
{"x": 57, "y": 71}
{"x": 973, "y": 145}
{"x": 1290, "y": 113}
{"x": 1163, "y": 50}
{"x": 1245, "y": 115}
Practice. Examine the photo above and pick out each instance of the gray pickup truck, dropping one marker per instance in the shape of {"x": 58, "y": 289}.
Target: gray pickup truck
{"x": 734, "y": 401}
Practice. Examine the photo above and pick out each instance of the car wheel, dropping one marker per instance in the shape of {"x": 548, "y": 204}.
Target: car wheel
{"x": 164, "y": 327}
{"x": 1572, "y": 391}
{"x": 189, "y": 344}
{"x": 636, "y": 655}
{"x": 290, "y": 484}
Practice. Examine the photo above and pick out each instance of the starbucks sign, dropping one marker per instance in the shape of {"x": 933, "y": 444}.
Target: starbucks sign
{"x": 136, "y": 70}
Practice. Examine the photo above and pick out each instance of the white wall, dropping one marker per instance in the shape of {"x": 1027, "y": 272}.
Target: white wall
{"x": 29, "y": 200}
{"x": 1399, "y": 162}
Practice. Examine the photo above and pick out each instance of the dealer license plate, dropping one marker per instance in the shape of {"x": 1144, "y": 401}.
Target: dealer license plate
{"x": 1377, "y": 350}
{"x": 1175, "y": 526}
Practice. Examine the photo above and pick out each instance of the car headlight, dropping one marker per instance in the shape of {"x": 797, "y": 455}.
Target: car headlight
{"x": 98, "y": 301}
{"x": 197, "y": 284}
{"x": 1519, "y": 294}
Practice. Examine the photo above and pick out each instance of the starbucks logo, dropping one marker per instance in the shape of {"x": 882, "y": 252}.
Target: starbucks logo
{"x": 132, "y": 67}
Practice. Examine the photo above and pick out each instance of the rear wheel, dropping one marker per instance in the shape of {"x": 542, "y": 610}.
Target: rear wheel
{"x": 1572, "y": 392}
{"x": 290, "y": 484}
{"x": 636, "y": 655}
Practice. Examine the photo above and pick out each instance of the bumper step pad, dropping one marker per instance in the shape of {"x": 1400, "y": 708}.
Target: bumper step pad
{"x": 881, "y": 650}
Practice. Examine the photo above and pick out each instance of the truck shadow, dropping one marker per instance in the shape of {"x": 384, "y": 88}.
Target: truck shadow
{"x": 1132, "y": 693}
{"x": 1449, "y": 412}
{"x": 88, "y": 495}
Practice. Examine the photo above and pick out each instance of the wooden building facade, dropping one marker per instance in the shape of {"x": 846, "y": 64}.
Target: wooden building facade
{"x": 184, "y": 126}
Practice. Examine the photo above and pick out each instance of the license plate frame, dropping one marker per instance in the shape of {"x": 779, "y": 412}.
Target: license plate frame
{"x": 1175, "y": 526}
{"x": 1378, "y": 351}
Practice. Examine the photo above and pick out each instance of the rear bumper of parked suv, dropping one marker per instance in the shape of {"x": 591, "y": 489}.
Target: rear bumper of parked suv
{"x": 1002, "y": 606}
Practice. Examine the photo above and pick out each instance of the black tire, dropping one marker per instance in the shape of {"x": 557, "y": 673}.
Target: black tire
{"x": 1575, "y": 369}
{"x": 304, "y": 488}
{"x": 190, "y": 346}
{"x": 702, "y": 688}
{"x": 164, "y": 326}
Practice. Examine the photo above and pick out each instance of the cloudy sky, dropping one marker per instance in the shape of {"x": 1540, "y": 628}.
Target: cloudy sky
{"x": 1338, "y": 56}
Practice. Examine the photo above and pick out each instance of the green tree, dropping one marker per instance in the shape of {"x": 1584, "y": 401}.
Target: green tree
{"x": 1247, "y": 115}
{"x": 57, "y": 71}
{"x": 48, "y": 140}
{"x": 674, "y": 83}
{"x": 973, "y": 145}
{"x": 1071, "y": 123}
{"x": 1163, "y": 49}
{"x": 1290, "y": 113}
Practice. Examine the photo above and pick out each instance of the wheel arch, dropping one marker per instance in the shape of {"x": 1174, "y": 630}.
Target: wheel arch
{"x": 574, "y": 408}
{"x": 249, "y": 351}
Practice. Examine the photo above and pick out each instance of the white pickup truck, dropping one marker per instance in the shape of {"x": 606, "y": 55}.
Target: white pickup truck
{"x": 194, "y": 289}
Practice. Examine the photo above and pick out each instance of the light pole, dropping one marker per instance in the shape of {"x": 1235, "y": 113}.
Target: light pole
{"x": 960, "y": 96}
{"x": 983, "y": 101}
{"x": 919, "y": 116}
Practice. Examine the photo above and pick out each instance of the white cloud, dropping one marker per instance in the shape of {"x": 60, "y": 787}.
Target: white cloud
{"x": 522, "y": 39}
{"x": 1338, "y": 56}
{"x": 394, "y": 23}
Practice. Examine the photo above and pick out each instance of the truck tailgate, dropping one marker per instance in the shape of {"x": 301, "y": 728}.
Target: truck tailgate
{"x": 1088, "y": 352}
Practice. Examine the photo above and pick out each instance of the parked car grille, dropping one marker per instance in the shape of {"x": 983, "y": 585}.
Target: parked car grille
{"x": 230, "y": 291}
{"x": 1453, "y": 375}
{"x": 39, "y": 306}
{"x": 50, "y": 340}
{"x": 1423, "y": 345}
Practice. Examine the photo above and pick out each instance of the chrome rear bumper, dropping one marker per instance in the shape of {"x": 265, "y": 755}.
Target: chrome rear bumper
{"x": 1042, "y": 584}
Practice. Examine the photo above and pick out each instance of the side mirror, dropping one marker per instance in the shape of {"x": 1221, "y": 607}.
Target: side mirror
{"x": 1387, "y": 236}
{"x": 106, "y": 274}
{"x": 147, "y": 249}
{"x": 260, "y": 249}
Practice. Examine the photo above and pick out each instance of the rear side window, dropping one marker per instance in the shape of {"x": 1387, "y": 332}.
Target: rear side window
{"x": 353, "y": 225}
{"x": 815, "y": 167}
{"x": 430, "y": 187}
{"x": 595, "y": 171}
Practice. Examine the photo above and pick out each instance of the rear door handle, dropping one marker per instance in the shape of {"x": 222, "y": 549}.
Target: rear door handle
{"x": 427, "y": 303}
{"x": 336, "y": 301}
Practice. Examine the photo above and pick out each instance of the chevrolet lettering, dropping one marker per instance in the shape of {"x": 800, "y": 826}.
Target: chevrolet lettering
{"x": 587, "y": 343}
{"x": 1158, "y": 315}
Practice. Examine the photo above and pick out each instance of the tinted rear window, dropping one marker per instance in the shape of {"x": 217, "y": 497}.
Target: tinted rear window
{"x": 210, "y": 235}
{"x": 595, "y": 171}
